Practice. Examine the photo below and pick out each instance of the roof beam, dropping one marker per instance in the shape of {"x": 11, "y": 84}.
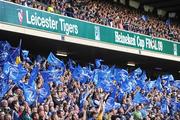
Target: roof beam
{"x": 166, "y": 4}
{"x": 172, "y": 8}
{"x": 148, "y": 2}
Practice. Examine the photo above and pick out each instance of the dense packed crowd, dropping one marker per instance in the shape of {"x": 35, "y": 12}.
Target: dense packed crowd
{"x": 113, "y": 15}
{"x": 49, "y": 89}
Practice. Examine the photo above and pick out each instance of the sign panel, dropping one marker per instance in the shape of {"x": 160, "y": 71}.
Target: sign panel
{"x": 36, "y": 19}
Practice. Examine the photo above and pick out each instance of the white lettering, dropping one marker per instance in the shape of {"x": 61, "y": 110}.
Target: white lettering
{"x": 41, "y": 21}
{"x": 68, "y": 28}
{"x": 154, "y": 44}
{"x": 28, "y": 22}
{"x": 140, "y": 42}
{"x": 61, "y": 23}
{"x": 120, "y": 38}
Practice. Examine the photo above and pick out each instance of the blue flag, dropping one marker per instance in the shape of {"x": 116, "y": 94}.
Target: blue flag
{"x": 95, "y": 76}
{"x": 123, "y": 74}
{"x": 53, "y": 75}
{"x": 110, "y": 73}
{"x": 15, "y": 72}
{"x": 4, "y": 52}
{"x": 126, "y": 86}
{"x": 113, "y": 93}
{"x": 71, "y": 65}
{"x": 137, "y": 72}
{"x": 4, "y": 46}
{"x": 85, "y": 75}
{"x": 25, "y": 54}
{"x": 104, "y": 67}
{"x": 109, "y": 104}
{"x": 34, "y": 74}
{"x": 30, "y": 93}
{"x": 178, "y": 106}
{"x": 158, "y": 84}
{"x": 4, "y": 85}
{"x": 170, "y": 78}
{"x": 120, "y": 75}
{"x": 107, "y": 86}
{"x": 51, "y": 68}
{"x": 144, "y": 17}
{"x": 3, "y": 57}
{"x": 44, "y": 92}
{"x": 168, "y": 22}
{"x": 167, "y": 77}
{"x": 139, "y": 98}
{"x": 55, "y": 61}
{"x": 15, "y": 53}
{"x": 117, "y": 105}
{"x": 39, "y": 59}
{"x": 174, "y": 105}
{"x": 167, "y": 86}
{"x": 79, "y": 74}
{"x": 141, "y": 80}
{"x": 120, "y": 96}
{"x": 150, "y": 85}
{"x": 116, "y": 74}
{"x": 176, "y": 84}
{"x": 164, "y": 106}
{"x": 102, "y": 75}
{"x": 143, "y": 76}
{"x": 102, "y": 80}
{"x": 89, "y": 73}
{"x": 98, "y": 62}
{"x": 83, "y": 98}
{"x": 133, "y": 82}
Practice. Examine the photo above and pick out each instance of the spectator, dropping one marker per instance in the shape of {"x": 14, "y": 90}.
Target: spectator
{"x": 69, "y": 11}
{"x": 113, "y": 15}
{"x": 7, "y": 117}
{"x": 51, "y": 7}
{"x": 137, "y": 114}
{"x": 35, "y": 116}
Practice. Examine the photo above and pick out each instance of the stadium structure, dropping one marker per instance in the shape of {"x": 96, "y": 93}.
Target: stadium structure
{"x": 43, "y": 32}
{"x": 67, "y": 37}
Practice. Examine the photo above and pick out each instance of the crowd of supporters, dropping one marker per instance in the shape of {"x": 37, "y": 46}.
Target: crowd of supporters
{"x": 53, "y": 90}
{"x": 113, "y": 15}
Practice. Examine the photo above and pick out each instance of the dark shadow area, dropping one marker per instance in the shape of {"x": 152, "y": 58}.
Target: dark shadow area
{"x": 87, "y": 54}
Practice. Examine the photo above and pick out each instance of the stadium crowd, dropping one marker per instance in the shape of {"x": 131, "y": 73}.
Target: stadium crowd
{"x": 113, "y": 15}
{"x": 49, "y": 89}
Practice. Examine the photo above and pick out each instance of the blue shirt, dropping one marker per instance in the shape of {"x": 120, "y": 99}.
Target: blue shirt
{"x": 143, "y": 112}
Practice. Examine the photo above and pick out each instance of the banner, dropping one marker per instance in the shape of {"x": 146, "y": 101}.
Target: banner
{"x": 36, "y": 19}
